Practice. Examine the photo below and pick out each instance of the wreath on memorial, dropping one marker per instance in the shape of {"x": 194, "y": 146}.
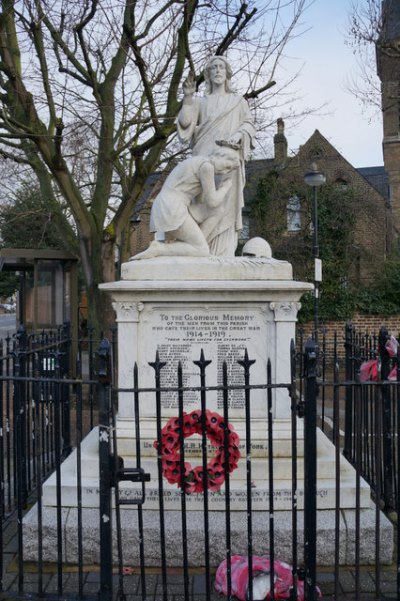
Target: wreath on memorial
{"x": 193, "y": 480}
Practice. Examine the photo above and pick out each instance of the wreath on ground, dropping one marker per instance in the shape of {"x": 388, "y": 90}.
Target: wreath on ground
{"x": 193, "y": 481}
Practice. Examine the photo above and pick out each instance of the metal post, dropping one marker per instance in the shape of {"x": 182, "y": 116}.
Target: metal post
{"x": 387, "y": 427}
{"x": 103, "y": 390}
{"x": 19, "y": 459}
{"x": 310, "y": 469}
{"x": 20, "y": 412}
{"x": 314, "y": 179}
{"x": 348, "y": 428}
{"x": 316, "y": 264}
{"x": 66, "y": 405}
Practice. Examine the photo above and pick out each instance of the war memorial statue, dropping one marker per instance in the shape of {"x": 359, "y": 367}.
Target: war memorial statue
{"x": 202, "y": 217}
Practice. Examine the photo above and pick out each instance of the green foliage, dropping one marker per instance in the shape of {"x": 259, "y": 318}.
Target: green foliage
{"x": 336, "y": 216}
{"x": 259, "y": 203}
{"x": 28, "y": 223}
{"x": 334, "y": 304}
{"x": 336, "y": 221}
{"x": 382, "y": 296}
{"x": 9, "y": 284}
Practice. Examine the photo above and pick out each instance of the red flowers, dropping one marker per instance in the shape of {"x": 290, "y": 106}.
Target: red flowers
{"x": 282, "y": 584}
{"x": 193, "y": 478}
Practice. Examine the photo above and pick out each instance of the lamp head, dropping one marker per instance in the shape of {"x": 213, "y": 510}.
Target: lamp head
{"x": 314, "y": 178}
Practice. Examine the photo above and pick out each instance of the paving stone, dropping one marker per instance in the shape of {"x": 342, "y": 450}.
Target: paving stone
{"x": 175, "y": 581}
{"x": 389, "y": 586}
{"x": 7, "y": 559}
{"x": 91, "y": 587}
{"x": 151, "y": 581}
{"x": 347, "y": 581}
{"x": 325, "y": 576}
{"x": 93, "y": 577}
{"x": 328, "y": 589}
{"x": 71, "y": 584}
{"x": 9, "y": 582}
{"x": 9, "y": 533}
{"x": 12, "y": 545}
{"x": 130, "y": 583}
{"x": 199, "y": 584}
{"x": 367, "y": 583}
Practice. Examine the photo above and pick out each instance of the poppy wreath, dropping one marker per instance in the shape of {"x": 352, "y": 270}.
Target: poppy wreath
{"x": 194, "y": 478}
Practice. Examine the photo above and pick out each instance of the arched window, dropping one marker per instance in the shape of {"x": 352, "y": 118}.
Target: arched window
{"x": 341, "y": 179}
{"x": 293, "y": 214}
{"x": 341, "y": 182}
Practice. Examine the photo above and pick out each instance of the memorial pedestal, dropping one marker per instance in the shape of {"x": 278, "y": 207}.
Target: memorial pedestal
{"x": 222, "y": 306}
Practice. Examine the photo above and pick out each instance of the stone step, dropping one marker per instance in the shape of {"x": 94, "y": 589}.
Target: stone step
{"x": 283, "y": 536}
{"x": 281, "y": 439}
{"x": 282, "y": 494}
{"x": 259, "y": 475}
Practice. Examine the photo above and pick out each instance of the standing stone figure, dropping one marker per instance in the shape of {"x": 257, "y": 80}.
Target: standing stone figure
{"x": 224, "y": 117}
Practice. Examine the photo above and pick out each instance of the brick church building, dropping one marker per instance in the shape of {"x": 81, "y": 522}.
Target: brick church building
{"x": 281, "y": 212}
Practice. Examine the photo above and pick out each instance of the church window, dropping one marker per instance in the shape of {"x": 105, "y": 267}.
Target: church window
{"x": 293, "y": 214}
{"x": 341, "y": 179}
{"x": 315, "y": 153}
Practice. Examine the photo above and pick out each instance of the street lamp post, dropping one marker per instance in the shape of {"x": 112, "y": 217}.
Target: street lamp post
{"x": 315, "y": 179}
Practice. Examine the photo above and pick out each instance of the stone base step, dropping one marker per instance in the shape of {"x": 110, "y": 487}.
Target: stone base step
{"x": 281, "y": 435}
{"x": 282, "y": 495}
{"x": 217, "y": 532}
{"x": 282, "y": 492}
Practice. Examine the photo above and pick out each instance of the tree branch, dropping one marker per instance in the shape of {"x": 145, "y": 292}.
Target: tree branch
{"x": 259, "y": 91}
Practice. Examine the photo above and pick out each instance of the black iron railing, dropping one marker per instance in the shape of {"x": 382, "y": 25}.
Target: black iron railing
{"x": 372, "y": 424}
{"x": 40, "y": 418}
{"x": 46, "y": 402}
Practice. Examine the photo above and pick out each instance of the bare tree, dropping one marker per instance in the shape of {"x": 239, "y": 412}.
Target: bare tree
{"x": 90, "y": 91}
{"x": 374, "y": 34}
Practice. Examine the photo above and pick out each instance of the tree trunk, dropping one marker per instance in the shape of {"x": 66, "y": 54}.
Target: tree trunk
{"x": 98, "y": 266}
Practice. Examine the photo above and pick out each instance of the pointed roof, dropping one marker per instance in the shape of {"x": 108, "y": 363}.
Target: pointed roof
{"x": 377, "y": 177}
{"x": 317, "y": 148}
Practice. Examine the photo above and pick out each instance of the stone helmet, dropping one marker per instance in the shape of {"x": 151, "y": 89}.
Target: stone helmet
{"x": 257, "y": 247}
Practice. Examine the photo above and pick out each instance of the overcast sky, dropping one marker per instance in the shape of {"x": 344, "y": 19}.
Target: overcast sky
{"x": 328, "y": 63}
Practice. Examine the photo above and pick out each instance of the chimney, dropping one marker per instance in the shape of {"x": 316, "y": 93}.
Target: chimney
{"x": 280, "y": 142}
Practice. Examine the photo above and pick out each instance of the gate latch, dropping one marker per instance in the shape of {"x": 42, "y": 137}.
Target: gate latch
{"x": 130, "y": 474}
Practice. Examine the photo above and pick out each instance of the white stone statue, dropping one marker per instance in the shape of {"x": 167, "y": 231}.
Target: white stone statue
{"x": 220, "y": 115}
{"x": 170, "y": 210}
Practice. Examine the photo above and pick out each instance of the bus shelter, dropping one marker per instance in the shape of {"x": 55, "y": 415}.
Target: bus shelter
{"x": 48, "y": 287}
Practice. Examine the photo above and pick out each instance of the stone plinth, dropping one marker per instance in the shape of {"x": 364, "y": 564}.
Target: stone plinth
{"x": 181, "y": 306}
